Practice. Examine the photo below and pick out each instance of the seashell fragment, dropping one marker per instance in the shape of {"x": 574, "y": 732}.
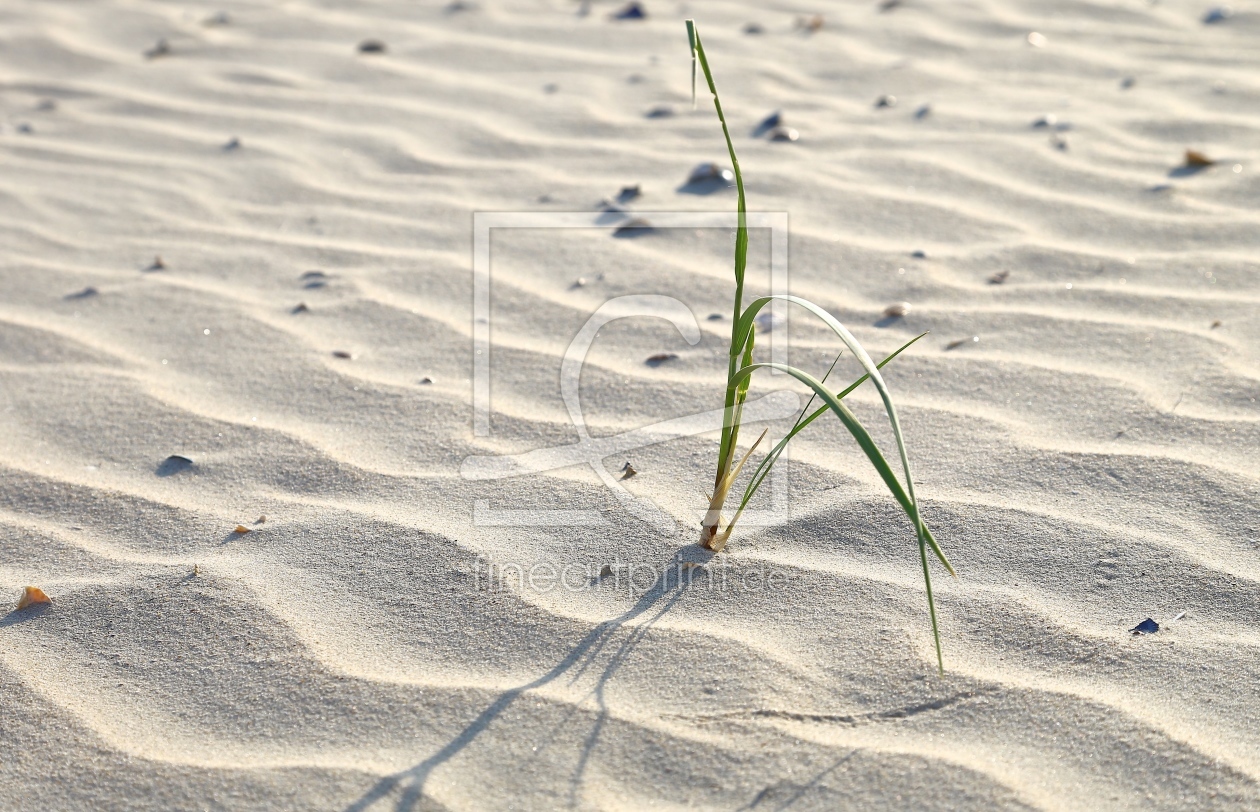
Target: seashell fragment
{"x": 784, "y": 134}
{"x": 31, "y": 596}
{"x": 810, "y": 24}
{"x": 710, "y": 172}
{"x": 897, "y": 310}
{"x": 1148, "y": 626}
{"x": 627, "y": 470}
{"x": 1196, "y": 158}
{"x": 605, "y": 571}
{"x": 1037, "y": 40}
{"x": 241, "y": 530}
{"x": 371, "y": 46}
{"x": 314, "y": 279}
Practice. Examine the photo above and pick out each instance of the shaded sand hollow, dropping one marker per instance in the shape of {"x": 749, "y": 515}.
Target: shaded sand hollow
{"x": 1087, "y": 453}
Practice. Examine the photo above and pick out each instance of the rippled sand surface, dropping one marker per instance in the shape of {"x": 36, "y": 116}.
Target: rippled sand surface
{"x": 1087, "y": 454}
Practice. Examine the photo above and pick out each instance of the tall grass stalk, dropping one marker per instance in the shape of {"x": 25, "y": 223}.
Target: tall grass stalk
{"x": 715, "y": 531}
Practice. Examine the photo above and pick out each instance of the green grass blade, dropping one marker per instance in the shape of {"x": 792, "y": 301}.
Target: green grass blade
{"x": 744, "y": 326}
{"x": 873, "y": 453}
{"x": 730, "y": 426}
{"x": 762, "y": 470}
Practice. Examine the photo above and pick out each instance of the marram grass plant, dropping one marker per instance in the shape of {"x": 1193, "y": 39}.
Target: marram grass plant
{"x": 715, "y": 531}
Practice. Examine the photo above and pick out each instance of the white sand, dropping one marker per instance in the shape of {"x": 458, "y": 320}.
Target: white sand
{"x": 1089, "y": 462}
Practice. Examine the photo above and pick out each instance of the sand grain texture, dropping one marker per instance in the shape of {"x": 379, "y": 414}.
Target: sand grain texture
{"x": 1089, "y": 462}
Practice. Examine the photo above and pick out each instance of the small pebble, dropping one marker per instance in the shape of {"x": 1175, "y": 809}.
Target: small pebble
{"x": 754, "y": 29}
{"x": 627, "y": 470}
{"x": 160, "y": 48}
{"x": 158, "y": 265}
{"x": 1218, "y": 14}
{"x": 631, "y": 11}
{"x": 953, "y": 345}
{"x": 25, "y": 129}
{"x": 633, "y": 228}
{"x": 771, "y": 121}
{"x": 999, "y": 277}
{"x": 1216, "y": 324}
{"x": 260, "y": 519}
{"x": 426, "y": 380}
{"x": 660, "y": 358}
{"x": 233, "y": 143}
{"x": 341, "y": 354}
{"x": 660, "y": 111}
{"x": 923, "y": 112}
{"x": 709, "y": 172}
{"x": 86, "y": 293}
{"x": 1059, "y": 142}
{"x": 919, "y": 255}
{"x": 1037, "y": 40}
{"x": 301, "y": 308}
{"x": 1196, "y": 158}
{"x": 897, "y": 310}
{"x": 784, "y": 134}
{"x": 371, "y": 46}
{"x": 886, "y": 101}
{"x": 1127, "y": 82}
{"x": 629, "y": 193}
{"x": 605, "y": 571}
{"x": 716, "y": 317}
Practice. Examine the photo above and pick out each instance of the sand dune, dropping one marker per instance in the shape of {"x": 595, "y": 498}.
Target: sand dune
{"x": 252, "y": 248}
